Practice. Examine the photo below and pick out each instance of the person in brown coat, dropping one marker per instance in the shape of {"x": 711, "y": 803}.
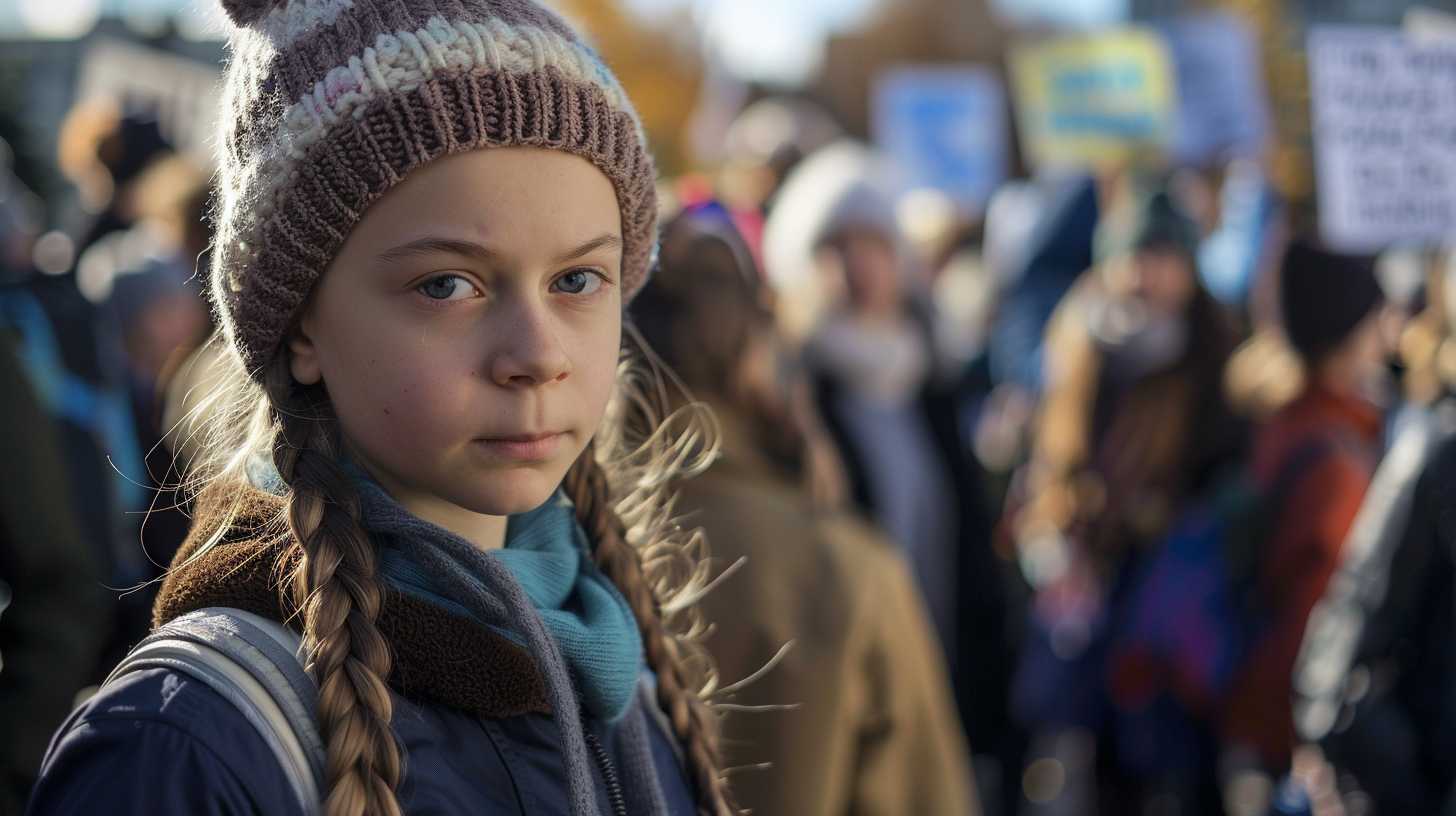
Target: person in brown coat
{"x": 1133, "y": 427}
{"x": 859, "y": 716}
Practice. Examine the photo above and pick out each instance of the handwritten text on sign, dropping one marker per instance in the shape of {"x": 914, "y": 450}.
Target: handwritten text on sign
{"x": 1384, "y": 115}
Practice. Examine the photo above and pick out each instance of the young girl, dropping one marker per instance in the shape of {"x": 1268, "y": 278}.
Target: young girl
{"x": 432, "y": 214}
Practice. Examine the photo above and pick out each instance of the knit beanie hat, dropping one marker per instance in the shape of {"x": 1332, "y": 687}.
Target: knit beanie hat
{"x": 330, "y": 103}
{"x": 1150, "y": 219}
{"x": 1324, "y": 296}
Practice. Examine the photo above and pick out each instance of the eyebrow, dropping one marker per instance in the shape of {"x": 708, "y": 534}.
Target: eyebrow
{"x": 607, "y": 241}
{"x": 470, "y": 249}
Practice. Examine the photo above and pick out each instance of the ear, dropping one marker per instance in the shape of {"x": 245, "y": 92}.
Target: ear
{"x": 303, "y": 356}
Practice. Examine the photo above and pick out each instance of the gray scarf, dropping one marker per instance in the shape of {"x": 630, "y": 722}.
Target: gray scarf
{"x": 485, "y": 587}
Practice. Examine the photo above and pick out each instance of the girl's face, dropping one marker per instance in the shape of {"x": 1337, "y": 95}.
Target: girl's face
{"x": 467, "y": 333}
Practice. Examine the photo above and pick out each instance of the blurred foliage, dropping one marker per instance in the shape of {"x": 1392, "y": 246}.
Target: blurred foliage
{"x": 906, "y": 32}
{"x": 658, "y": 61}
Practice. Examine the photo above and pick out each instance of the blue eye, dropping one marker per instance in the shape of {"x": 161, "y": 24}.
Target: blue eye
{"x": 579, "y": 282}
{"x": 447, "y": 287}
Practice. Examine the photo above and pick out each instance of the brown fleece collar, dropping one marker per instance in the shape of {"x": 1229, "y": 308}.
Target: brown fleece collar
{"x": 438, "y": 656}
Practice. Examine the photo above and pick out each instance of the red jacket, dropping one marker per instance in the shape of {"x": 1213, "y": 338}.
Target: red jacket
{"x": 1302, "y": 555}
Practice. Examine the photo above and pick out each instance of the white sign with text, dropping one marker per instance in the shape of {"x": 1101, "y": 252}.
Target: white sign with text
{"x": 1384, "y": 123}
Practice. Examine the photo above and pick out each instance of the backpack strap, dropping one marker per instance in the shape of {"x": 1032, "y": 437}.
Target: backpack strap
{"x": 254, "y": 664}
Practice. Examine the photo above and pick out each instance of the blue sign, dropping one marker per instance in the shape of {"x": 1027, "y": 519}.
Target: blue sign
{"x": 944, "y": 129}
{"x": 1222, "y": 109}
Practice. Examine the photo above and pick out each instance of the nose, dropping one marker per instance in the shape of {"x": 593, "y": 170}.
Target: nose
{"x": 528, "y": 351}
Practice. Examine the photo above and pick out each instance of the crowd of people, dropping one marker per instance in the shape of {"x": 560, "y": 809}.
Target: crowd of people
{"x": 1051, "y": 509}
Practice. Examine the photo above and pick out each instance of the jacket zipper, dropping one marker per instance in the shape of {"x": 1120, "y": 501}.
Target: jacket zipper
{"x": 609, "y": 774}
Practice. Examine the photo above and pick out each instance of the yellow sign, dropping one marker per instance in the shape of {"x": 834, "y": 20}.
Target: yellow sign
{"x": 1095, "y": 99}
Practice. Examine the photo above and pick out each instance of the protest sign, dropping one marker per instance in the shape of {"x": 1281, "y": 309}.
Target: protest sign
{"x": 943, "y": 128}
{"x": 1090, "y": 100}
{"x": 1222, "y": 109}
{"x": 1384, "y": 122}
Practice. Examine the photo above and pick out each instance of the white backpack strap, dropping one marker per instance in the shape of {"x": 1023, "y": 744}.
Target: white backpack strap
{"x": 254, "y": 664}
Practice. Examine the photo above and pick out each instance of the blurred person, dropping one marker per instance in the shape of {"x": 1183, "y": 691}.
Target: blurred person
{"x": 103, "y": 151}
{"x": 761, "y": 147}
{"x": 966, "y": 294}
{"x": 993, "y": 426}
{"x": 1057, "y": 249}
{"x": 870, "y": 357}
{"x": 764, "y": 144}
{"x": 1378, "y": 662}
{"x": 73, "y": 360}
{"x": 889, "y": 393}
{"x": 152, "y": 288}
{"x": 1332, "y": 316}
{"x": 859, "y": 717}
{"x": 1132, "y": 428}
{"x": 154, "y": 298}
{"x": 804, "y": 205}
{"x": 20, "y": 220}
{"x": 53, "y": 628}
{"x": 971, "y": 292}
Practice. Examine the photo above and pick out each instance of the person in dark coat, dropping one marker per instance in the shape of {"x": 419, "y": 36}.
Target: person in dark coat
{"x": 1373, "y": 682}
{"x": 53, "y": 614}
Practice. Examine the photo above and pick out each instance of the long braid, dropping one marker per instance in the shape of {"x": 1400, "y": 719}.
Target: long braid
{"x": 588, "y": 487}
{"x": 337, "y": 592}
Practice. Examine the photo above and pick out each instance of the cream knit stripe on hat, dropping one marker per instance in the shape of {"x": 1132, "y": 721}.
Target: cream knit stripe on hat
{"x": 287, "y": 25}
{"x": 295, "y": 64}
{"x": 401, "y": 62}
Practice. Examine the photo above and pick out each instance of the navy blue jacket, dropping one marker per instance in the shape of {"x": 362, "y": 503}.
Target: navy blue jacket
{"x": 469, "y": 710}
{"x": 159, "y": 743}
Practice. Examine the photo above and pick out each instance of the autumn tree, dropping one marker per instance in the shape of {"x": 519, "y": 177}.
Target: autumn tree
{"x": 657, "y": 60}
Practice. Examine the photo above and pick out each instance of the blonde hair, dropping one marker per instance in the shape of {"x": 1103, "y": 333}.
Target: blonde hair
{"x": 621, "y": 488}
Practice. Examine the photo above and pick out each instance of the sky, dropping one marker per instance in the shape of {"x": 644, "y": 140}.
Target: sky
{"x": 766, "y": 39}
{"x": 775, "y": 40}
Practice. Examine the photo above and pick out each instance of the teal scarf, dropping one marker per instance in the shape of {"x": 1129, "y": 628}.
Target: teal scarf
{"x": 547, "y": 552}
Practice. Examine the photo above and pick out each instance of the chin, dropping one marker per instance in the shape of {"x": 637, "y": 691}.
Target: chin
{"x": 506, "y": 493}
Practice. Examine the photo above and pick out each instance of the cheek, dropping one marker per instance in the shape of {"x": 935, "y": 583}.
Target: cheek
{"x": 595, "y": 370}
{"x": 387, "y": 387}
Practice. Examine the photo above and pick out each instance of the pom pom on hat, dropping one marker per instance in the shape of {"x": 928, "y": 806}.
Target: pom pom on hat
{"x": 247, "y": 12}
{"x": 1147, "y": 217}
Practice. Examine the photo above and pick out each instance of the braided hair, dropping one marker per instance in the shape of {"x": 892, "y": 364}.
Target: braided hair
{"x": 337, "y": 593}
{"x": 692, "y": 721}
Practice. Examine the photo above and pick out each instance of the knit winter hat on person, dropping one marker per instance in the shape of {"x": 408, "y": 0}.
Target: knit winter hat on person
{"x": 1150, "y": 219}
{"x": 1324, "y": 296}
{"x": 330, "y": 103}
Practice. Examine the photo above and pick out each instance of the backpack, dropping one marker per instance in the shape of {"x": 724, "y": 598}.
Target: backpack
{"x": 254, "y": 664}
{"x": 1195, "y": 608}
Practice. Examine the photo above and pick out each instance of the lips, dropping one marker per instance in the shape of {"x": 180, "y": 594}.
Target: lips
{"x": 534, "y": 447}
